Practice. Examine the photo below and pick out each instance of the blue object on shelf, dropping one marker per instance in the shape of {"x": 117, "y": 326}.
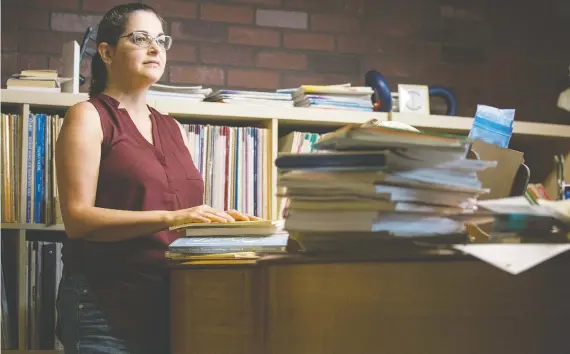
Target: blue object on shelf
{"x": 378, "y": 83}
{"x": 493, "y": 125}
{"x": 448, "y": 97}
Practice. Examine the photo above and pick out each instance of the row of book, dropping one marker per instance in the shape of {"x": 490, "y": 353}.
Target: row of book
{"x": 43, "y": 271}
{"x": 29, "y": 188}
{"x": 344, "y": 96}
{"x": 232, "y": 160}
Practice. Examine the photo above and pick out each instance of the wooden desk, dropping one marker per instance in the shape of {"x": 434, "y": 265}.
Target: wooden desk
{"x": 409, "y": 305}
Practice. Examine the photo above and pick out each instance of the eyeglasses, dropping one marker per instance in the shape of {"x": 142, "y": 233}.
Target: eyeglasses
{"x": 144, "y": 40}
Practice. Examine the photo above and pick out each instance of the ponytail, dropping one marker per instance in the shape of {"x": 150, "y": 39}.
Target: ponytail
{"x": 98, "y": 76}
{"x": 109, "y": 30}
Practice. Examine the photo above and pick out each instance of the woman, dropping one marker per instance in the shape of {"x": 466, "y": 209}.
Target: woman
{"x": 125, "y": 175}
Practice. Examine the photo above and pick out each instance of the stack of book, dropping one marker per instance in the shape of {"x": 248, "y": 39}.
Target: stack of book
{"x": 241, "y": 239}
{"x": 332, "y": 97}
{"x": 187, "y": 93}
{"x": 251, "y": 98}
{"x": 36, "y": 80}
{"x": 373, "y": 183}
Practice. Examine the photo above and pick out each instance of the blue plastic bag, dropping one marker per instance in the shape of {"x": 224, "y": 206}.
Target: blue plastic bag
{"x": 493, "y": 125}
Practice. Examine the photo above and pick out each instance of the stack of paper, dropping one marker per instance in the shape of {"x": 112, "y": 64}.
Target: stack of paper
{"x": 257, "y": 98}
{"x": 332, "y": 97}
{"x": 378, "y": 182}
{"x": 188, "y": 93}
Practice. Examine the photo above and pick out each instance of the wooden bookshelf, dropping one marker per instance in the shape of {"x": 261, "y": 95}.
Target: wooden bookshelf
{"x": 32, "y": 352}
{"x": 274, "y": 119}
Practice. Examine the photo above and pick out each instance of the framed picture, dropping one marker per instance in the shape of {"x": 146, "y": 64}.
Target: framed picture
{"x": 413, "y": 98}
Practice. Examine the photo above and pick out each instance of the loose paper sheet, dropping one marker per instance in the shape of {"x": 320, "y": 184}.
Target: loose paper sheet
{"x": 514, "y": 258}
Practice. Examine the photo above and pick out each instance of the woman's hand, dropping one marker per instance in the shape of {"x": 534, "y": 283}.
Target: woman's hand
{"x": 199, "y": 214}
{"x": 241, "y": 216}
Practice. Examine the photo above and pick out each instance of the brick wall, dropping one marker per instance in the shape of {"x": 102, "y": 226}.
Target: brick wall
{"x": 508, "y": 53}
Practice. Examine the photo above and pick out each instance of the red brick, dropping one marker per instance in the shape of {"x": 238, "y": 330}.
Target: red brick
{"x": 65, "y": 22}
{"x": 254, "y": 36}
{"x": 281, "y": 60}
{"x": 390, "y": 26}
{"x": 434, "y": 73}
{"x": 308, "y": 41}
{"x": 255, "y": 79}
{"x": 398, "y": 68}
{"x": 309, "y": 5}
{"x": 198, "y": 75}
{"x": 9, "y": 41}
{"x": 258, "y": 2}
{"x": 394, "y": 48}
{"x": 181, "y": 51}
{"x": 334, "y": 23}
{"x": 34, "y": 19}
{"x": 11, "y": 17}
{"x": 199, "y": 31}
{"x": 336, "y": 6}
{"x": 295, "y": 80}
{"x": 226, "y": 54}
{"x": 9, "y": 64}
{"x": 338, "y": 64}
{"x": 226, "y": 13}
{"x": 353, "y": 44}
{"x": 101, "y": 6}
{"x": 44, "y": 41}
{"x": 173, "y": 8}
{"x": 461, "y": 14}
{"x": 54, "y": 4}
{"x": 56, "y": 63}
{"x": 32, "y": 61}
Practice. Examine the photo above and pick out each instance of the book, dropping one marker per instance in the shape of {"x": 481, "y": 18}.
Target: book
{"x": 357, "y": 136}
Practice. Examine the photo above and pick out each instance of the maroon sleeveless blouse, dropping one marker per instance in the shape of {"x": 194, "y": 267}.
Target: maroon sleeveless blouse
{"x": 129, "y": 279}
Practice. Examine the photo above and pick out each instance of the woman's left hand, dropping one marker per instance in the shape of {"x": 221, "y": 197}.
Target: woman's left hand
{"x": 241, "y": 216}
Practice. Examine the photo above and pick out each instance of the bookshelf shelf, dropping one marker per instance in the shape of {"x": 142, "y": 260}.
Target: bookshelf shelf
{"x": 38, "y": 227}
{"x": 462, "y": 125}
{"x": 48, "y": 99}
{"x": 296, "y": 116}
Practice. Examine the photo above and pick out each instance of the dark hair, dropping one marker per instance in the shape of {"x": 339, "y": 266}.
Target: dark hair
{"x": 110, "y": 28}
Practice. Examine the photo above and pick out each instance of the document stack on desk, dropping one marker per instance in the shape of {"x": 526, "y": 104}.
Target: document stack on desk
{"x": 241, "y": 239}
{"x": 376, "y": 183}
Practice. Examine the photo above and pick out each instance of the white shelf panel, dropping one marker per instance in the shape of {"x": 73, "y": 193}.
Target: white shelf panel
{"x": 54, "y": 99}
{"x": 294, "y": 115}
{"x": 462, "y": 125}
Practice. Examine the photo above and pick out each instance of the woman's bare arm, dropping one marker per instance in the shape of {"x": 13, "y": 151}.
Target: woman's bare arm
{"x": 78, "y": 152}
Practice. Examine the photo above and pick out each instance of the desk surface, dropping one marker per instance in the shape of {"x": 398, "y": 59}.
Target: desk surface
{"x": 406, "y": 304}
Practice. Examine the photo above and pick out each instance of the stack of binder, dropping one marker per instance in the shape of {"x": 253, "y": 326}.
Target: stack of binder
{"x": 371, "y": 183}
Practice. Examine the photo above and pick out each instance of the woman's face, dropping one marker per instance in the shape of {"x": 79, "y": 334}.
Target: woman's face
{"x": 131, "y": 59}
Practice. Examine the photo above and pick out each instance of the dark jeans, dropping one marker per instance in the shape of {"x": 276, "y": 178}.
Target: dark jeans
{"x": 82, "y": 328}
